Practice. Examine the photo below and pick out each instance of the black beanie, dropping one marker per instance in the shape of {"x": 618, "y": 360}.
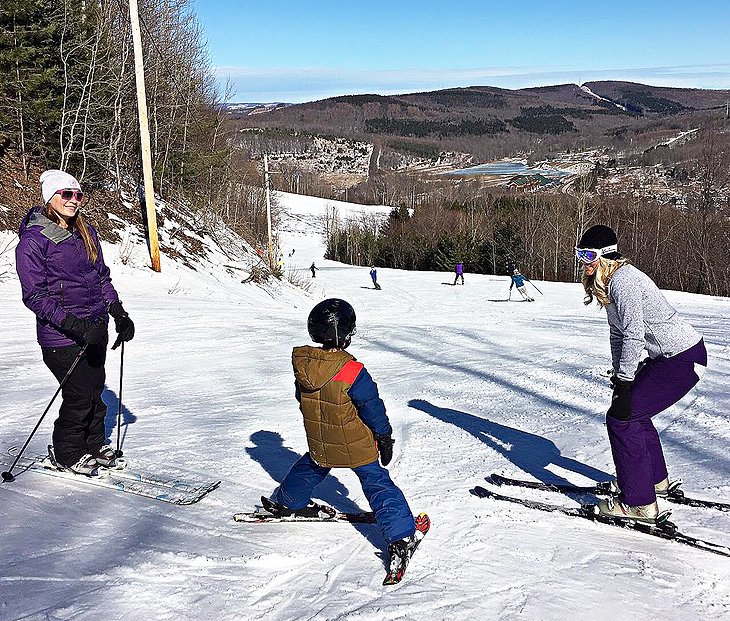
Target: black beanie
{"x": 600, "y": 236}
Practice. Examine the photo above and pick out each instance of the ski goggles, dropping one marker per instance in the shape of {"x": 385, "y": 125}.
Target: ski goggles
{"x": 67, "y": 195}
{"x": 589, "y": 255}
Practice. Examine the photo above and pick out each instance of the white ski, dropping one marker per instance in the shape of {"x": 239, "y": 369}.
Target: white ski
{"x": 176, "y": 491}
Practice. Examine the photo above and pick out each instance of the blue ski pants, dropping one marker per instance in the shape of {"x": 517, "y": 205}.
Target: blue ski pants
{"x": 391, "y": 509}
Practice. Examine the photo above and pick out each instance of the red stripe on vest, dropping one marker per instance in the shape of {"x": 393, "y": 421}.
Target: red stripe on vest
{"x": 349, "y": 372}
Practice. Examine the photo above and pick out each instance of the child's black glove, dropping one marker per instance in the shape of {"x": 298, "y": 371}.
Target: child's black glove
{"x": 385, "y": 444}
{"x": 621, "y": 400}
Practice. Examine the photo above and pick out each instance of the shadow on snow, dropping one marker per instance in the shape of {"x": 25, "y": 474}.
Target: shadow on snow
{"x": 527, "y": 451}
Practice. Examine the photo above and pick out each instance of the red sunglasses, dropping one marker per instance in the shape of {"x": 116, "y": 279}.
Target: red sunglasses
{"x": 67, "y": 195}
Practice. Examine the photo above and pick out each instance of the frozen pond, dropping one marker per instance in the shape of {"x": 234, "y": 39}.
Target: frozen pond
{"x": 508, "y": 168}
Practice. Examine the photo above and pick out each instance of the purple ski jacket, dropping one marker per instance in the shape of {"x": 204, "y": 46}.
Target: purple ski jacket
{"x": 57, "y": 278}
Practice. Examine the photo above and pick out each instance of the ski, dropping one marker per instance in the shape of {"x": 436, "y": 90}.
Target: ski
{"x": 126, "y": 472}
{"x": 398, "y": 566}
{"x": 664, "y": 529}
{"x": 674, "y": 495}
{"x": 261, "y": 516}
{"x": 164, "y": 489}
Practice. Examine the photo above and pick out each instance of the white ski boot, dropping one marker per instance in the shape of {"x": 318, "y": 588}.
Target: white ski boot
{"x": 612, "y": 507}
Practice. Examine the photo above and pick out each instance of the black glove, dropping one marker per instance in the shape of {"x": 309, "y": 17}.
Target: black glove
{"x": 123, "y": 324}
{"x": 621, "y": 400}
{"x": 385, "y": 444}
{"x": 85, "y": 330}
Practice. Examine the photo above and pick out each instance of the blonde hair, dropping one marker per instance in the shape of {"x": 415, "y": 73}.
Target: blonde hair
{"x": 596, "y": 285}
{"x": 92, "y": 250}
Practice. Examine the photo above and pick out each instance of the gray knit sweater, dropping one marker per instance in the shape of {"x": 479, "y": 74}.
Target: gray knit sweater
{"x": 641, "y": 318}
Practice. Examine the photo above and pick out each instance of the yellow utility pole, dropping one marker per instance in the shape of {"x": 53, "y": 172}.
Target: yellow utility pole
{"x": 268, "y": 209}
{"x": 144, "y": 135}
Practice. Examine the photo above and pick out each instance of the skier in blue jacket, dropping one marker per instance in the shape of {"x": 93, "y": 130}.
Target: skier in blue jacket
{"x": 374, "y": 276}
{"x": 519, "y": 280}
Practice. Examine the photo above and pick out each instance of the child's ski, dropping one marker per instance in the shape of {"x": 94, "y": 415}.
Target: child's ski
{"x": 399, "y": 564}
{"x": 261, "y": 516}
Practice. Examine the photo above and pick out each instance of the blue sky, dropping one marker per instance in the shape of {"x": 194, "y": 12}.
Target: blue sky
{"x": 303, "y": 50}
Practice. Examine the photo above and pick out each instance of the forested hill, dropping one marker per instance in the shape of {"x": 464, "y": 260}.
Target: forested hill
{"x": 592, "y": 114}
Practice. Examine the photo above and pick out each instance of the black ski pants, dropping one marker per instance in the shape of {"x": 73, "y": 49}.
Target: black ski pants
{"x": 79, "y": 428}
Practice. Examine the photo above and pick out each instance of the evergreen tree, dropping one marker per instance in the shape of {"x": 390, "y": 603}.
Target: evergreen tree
{"x": 31, "y": 89}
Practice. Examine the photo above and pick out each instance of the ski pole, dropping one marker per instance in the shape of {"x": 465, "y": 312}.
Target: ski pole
{"x": 8, "y": 476}
{"x": 119, "y": 452}
{"x": 540, "y": 292}
{"x": 509, "y": 298}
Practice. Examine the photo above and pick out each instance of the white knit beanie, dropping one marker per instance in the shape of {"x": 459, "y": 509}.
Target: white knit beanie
{"x": 54, "y": 180}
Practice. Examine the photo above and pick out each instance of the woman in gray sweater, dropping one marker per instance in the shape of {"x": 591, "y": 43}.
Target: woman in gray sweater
{"x": 640, "y": 318}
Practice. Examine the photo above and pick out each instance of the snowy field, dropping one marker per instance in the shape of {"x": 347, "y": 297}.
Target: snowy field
{"x": 473, "y": 385}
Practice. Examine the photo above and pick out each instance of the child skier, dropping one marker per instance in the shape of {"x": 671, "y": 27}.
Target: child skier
{"x": 313, "y": 268}
{"x": 346, "y": 427}
{"x": 519, "y": 280}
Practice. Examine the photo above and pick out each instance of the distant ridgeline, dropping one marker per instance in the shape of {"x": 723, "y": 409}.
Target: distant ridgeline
{"x": 470, "y": 119}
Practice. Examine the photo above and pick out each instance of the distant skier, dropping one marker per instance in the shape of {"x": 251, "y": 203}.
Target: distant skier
{"x": 518, "y": 280}
{"x": 346, "y": 427}
{"x": 314, "y": 269}
{"x": 374, "y": 276}
{"x": 459, "y": 271}
{"x": 639, "y": 318}
{"x": 66, "y": 283}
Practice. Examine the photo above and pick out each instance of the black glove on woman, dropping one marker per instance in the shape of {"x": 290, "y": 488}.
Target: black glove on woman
{"x": 621, "y": 400}
{"x": 385, "y": 447}
{"x": 123, "y": 324}
{"x": 84, "y": 330}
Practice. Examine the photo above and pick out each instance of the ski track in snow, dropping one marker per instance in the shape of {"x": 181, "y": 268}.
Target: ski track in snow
{"x": 472, "y": 386}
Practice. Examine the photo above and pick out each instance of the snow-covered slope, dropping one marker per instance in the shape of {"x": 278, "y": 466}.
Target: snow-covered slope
{"x": 473, "y": 384}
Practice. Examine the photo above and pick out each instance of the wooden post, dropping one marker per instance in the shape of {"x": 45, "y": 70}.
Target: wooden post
{"x": 268, "y": 210}
{"x": 144, "y": 135}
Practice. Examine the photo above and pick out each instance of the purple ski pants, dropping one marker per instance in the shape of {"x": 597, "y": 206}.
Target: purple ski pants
{"x": 637, "y": 452}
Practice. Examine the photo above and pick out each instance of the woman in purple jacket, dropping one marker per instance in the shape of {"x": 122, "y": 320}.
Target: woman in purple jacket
{"x": 66, "y": 283}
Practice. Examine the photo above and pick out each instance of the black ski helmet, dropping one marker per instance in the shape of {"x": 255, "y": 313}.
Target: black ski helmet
{"x": 598, "y": 237}
{"x": 332, "y": 323}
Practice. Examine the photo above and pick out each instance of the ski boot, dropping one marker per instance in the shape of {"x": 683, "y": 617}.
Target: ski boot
{"x": 668, "y": 488}
{"x": 402, "y": 550}
{"x": 86, "y": 465}
{"x": 662, "y": 489}
{"x": 106, "y": 457}
{"x": 612, "y": 507}
{"x": 312, "y": 510}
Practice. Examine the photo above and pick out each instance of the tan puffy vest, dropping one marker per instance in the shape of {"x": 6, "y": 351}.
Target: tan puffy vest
{"x": 336, "y": 435}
